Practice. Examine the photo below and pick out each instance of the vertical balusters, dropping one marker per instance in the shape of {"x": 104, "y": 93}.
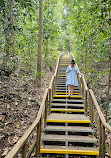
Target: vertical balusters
{"x": 24, "y": 150}
{"x": 46, "y": 108}
{"x": 86, "y": 101}
{"x": 49, "y": 99}
{"x": 38, "y": 138}
{"x": 100, "y": 138}
{"x": 103, "y": 141}
{"x": 89, "y": 104}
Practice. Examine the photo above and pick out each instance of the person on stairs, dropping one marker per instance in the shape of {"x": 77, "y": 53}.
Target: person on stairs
{"x": 71, "y": 77}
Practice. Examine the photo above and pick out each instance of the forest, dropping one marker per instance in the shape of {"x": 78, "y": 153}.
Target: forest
{"x": 32, "y": 35}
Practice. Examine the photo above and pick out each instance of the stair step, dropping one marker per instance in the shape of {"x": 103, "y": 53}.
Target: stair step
{"x": 69, "y": 138}
{"x": 66, "y": 110}
{"x": 64, "y": 93}
{"x": 61, "y": 75}
{"x": 64, "y": 90}
{"x": 66, "y": 96}
{"x": 63, "y": 78}
{"x": 64, "y": 64}
{"x": 61, "y": 84}
{"x": 72, "y": 105}
{"x": 69, "y": 129}
{"x": 69, "y": 150}
{"x": 64, "y": 86}
{"x": 63, "y": 70}
{"x": 68, "y": 100}
{"x": 68, "y": 118}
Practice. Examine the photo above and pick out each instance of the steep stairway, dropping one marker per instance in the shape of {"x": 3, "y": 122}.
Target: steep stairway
{"x": 68, "y": 131}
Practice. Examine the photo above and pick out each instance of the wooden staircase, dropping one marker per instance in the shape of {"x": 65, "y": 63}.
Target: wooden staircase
{"x": 68, "y": 131}
{"x": 62, "y": 127}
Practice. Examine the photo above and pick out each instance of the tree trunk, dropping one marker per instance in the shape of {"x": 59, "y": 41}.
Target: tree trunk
{"x": 9, "y": 36}
{"x": 109, "y": 80}
{"x": 39, "y": 57}
{"x": 47, "y": 52}
{"x": 109, "y": 83}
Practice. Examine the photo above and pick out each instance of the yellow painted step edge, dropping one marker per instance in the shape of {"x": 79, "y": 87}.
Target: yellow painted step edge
{"x": 59, "y": 151}
{"x": 61, "y": 75}
{"x": 65, "y": 60}
{"x": 64, "y": 64}
{"x": 65, "y": 93}
{"x": 70, "y": 110}
{"x": 73, "y": 96}
{"x": 68, "y": 121}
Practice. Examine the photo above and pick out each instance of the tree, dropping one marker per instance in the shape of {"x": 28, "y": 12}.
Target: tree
{"x": 38, "y": 76}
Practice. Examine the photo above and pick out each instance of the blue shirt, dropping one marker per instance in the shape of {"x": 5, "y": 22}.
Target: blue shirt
{"x": 72, "y": 75}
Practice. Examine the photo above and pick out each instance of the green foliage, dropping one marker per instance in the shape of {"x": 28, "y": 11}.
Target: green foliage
{"x": 80, "y": 27}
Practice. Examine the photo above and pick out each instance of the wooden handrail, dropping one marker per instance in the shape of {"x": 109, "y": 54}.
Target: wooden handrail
{"x": 102, "y": 118}
{"x": 51, "y": 82}
{"x": 85, "y": 84}
{"x": 23, "y": 140}
{"x": 57, "y": 64}
{"x": 22, "y": 143}
{"x": 28, "y": 132}
{"x": 102, "y": 122}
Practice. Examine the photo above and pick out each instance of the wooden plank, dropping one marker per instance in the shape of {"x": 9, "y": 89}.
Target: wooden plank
{"x": 61, "y": 75}
{"x": 69, "y": 129}
{"x": 61, "y": 87}
{"x": 67, "y": 110}
{"x": 69, "y": 117}
{"x": 68, "y": 100}
{"x": 70, "y": 150}
{"x": 66, "y": 93}
{"x": 68, "y": 121}
{"x": 64, "y": 64}
{"x": 69, "y": 138}
{"x": 66, "y": 96}
{"x": 64, "y": 90}
{"x": 72, "y": 105}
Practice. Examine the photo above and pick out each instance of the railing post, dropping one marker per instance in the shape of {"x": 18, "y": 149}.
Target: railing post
{"x": 86, "y": 101}
{"x": 54, "y": 85}
{"x": 52, "y": 88}
{"x": 103, "y": 141}
{"x": 38, "y": 139}
{"x": 24, "y": 151}
{"x": 80, "y": 89}
{"x": 46, "y": 108}
{"x": 89, "y": 104}
{"x": 49, "y": 99}
{"x": 90, "y": 107}
{"x": 100, "y": 138}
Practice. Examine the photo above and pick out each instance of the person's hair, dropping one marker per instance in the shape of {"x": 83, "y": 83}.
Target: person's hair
{"x": 72, "y": 62}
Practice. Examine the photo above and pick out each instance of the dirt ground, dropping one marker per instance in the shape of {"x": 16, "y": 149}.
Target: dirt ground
{"x": 20, "y": 100}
